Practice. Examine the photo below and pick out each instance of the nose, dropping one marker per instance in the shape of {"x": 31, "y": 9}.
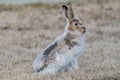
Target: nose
{"x": 83, "y": 29}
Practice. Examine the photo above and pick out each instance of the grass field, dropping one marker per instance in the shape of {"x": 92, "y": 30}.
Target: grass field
{"x": 25, "y": 30}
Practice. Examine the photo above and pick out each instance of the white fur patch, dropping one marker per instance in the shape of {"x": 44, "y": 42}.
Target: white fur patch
{"x": 63, "y": 62}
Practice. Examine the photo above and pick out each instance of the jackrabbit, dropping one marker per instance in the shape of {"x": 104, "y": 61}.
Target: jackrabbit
{"x": 63, "y": 53}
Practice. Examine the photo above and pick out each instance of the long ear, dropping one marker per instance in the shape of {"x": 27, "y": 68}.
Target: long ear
{"x": 65, "y": 10}
{"x": 68, "y": 12}
{"x": 71, "y": 10}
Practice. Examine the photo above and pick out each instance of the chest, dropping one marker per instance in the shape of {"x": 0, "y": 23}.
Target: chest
{"x": 68, "y": 47}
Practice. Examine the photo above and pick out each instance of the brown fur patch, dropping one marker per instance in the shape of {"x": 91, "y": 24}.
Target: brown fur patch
{"x": 71, "y": 28}
{"x": 69, "y": 42}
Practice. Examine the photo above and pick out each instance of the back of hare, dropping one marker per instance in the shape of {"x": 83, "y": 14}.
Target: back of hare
{"x": 63, "y": 53}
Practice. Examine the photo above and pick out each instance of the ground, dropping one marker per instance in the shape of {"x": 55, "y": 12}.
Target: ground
{"x": 27, "y": 31}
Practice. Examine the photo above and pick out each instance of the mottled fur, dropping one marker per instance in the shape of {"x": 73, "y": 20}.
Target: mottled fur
{"x": 63, "y": 53}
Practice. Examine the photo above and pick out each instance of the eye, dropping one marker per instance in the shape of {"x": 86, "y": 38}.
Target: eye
{"x": 76, "y": 24}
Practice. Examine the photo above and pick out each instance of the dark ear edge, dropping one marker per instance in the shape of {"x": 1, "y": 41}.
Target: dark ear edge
{"x": 65, "y": 8}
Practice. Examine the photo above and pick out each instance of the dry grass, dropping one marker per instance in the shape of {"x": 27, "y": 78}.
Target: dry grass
{"x": 39, "y": 5}
{"x": 24, "y": 33}
{"x": 49, "y": 6}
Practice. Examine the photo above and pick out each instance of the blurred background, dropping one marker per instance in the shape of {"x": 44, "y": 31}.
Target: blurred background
{"x": 29, "y": 1}
{"x": 28, "y": 26}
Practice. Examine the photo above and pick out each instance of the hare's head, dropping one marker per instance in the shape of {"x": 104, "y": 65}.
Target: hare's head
{"x": 74, "y": 25}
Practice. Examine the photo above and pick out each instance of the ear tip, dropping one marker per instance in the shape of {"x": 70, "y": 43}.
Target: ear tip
{"x": 64, "y": 6}
{"x": 69, "y": 4}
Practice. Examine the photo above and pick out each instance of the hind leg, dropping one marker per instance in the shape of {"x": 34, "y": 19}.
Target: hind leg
{"x": 74, "y": 65}
{"x": 71, "y": 66}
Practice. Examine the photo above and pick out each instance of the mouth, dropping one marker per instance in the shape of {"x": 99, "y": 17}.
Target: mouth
{"x": 83, "y": 30}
